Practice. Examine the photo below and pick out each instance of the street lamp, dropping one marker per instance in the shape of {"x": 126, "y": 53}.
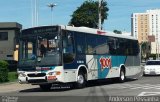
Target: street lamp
{"x": 51, "y": 5}
{"x": 34, "y": 8}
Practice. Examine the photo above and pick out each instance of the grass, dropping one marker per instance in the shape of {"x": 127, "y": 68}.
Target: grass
{"x": 12, "y": 76}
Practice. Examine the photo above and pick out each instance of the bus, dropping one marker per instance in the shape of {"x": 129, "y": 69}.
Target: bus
{"x": 63, "y": 54}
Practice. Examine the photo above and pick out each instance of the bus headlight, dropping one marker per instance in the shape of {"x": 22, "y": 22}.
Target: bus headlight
{"x": 51, "y": 73}
{"x": 21, "y": 74}
{"x": 54, "y": 73}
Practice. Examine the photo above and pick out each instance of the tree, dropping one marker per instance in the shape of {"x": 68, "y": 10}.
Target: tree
{"x": 117, "y": 31}
{"x": 87, "y": 14}
{"x": 145, "y": 50}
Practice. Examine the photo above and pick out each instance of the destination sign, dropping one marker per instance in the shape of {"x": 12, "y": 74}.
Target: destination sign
{"x": 40, "y": 30}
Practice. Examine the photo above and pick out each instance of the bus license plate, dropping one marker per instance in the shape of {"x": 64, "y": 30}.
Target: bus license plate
{"x": 51, "y": 77}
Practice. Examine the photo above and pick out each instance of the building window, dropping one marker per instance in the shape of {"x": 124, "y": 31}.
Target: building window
{"x": 145, "y": 30}
{"x": 146, "y": 26}
{"x": 3, "y": 36}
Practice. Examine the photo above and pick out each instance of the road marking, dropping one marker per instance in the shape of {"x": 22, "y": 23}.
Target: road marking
{"x": 149, "y": 94}
{"x": 135, "y": 86}
{"x": 146, "y": 86}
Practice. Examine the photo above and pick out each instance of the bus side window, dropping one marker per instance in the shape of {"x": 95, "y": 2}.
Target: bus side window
{"x": 79, "y": 48}
{"x": 121, "y": 42}
{"x": 112, "y": 42}
{"x": 68, "y": 44}
{"x": 68, "y": 47}
{"x": 102, "y": 45}
{"x": 80, "y": 43}
{"x": 91, "y": 44}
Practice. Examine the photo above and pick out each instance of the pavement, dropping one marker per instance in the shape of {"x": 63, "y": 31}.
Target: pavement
{"x": 14, "y": 86}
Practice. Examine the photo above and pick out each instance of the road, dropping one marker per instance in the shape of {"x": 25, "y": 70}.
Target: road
{"x": 144, "y": 86}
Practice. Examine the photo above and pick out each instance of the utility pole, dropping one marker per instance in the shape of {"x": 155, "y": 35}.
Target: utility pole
{"x": 99, "y": 14}
{"x": 51, "y": 5}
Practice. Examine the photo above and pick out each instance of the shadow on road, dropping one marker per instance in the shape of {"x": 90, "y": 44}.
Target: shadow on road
{"x": 151, "y": 75}
{"x": 68, "y": 87}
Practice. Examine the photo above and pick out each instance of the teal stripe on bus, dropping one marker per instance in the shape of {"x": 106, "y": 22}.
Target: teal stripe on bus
{"x": 105, "y": 63}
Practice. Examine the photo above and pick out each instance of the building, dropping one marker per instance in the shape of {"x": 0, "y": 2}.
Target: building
{"x": 154, "y": 23}
{"x": 140, "y": 26}
{"x": 145, "y": 25}
{"x": 8, "y": 33}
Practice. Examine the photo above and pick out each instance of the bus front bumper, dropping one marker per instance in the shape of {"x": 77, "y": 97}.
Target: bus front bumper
{"x": 24, "y": 79}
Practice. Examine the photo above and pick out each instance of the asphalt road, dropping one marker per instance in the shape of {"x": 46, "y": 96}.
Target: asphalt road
{"x": 96, "y": 91}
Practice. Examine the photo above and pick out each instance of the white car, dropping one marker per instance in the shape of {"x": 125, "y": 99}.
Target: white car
{"x": 152, "y": 67}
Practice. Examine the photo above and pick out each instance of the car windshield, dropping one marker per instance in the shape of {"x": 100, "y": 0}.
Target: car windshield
{"x": 153, "y": 63}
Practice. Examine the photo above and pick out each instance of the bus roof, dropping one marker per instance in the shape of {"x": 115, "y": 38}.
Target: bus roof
{"x": 95, "y": 31}
{"x": 88, "y": 30}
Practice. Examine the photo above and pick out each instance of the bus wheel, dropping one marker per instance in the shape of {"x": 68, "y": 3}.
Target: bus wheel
{"x": 81, "y": 80}
{"x": 45, "y": 87}
{"x": 122, "y": 76}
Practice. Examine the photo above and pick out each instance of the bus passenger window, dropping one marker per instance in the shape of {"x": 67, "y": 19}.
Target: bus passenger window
{"x": 112, "y": 42}
{"x": 91, "y": 44}
{"x": 80, "y": 43}
{"x": 68, "y": 47}
{"x": 102, "y": 45}
{"x": 68, "y": 44}
{"x": 79, "y": 48}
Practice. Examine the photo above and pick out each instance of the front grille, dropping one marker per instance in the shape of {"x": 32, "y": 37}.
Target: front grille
{"x": 37, "y": 75}
{"x": 37, "y": 81}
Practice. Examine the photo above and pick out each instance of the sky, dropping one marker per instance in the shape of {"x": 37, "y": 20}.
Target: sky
{"x": 119, "y": 17}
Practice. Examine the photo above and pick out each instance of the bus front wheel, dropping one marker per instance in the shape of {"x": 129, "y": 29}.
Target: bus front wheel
{"x": 81, "y": 80}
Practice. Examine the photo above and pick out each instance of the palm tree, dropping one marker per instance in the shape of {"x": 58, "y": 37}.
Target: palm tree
{"x": 145, "y": 50}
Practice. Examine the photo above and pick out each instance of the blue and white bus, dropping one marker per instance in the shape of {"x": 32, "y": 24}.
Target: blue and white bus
{"x": 62, "y": 54}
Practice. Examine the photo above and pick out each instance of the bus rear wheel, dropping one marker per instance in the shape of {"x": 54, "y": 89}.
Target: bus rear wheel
{"x": 122, "y": 76}
{"x": 45, "y": 87}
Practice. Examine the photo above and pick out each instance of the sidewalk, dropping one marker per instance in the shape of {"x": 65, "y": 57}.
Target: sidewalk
{"x": 14, "y": 86}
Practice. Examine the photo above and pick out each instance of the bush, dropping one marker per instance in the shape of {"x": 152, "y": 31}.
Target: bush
{"x": 12, "y": 65}
{"x": 3, "y": 71}
{"x": 152, "y": 56}
{"x": 12, "y": 76}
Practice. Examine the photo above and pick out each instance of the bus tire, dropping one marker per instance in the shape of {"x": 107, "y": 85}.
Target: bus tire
{"x": 81, "y": 80}
{"x": 45, "y": 87}
{"x": 122, "y": 76}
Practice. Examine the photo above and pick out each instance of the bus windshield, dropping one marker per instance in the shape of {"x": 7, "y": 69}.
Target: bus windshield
{"x": 40, "y": 50}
